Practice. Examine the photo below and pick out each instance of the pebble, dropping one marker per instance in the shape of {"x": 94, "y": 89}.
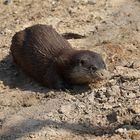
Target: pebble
{"x": 32, "y": 136}
{"x": 103, "y": 89}
{"x": 121, "y": 130}
{"x": 6, "y": 2}
{"x": 136, "y": 108}
{"x": 136, "y": 120}
{"x": 50, "y": 114}
{"x": 108, "y": 106}
{"x": 66, "y": 109}
{"x": 112, "y": 82}
{"x": 112, "y": 117}
{"x": 114, "y": 90}
{"x": 131, "y": 95}
{"x": 80, "y": 105}
{"x": 91, "y": 98}
{"x": 136, "y": 64}
{"x": 92, "y": 2}
{"x": 127, "y": 73}
{"x": 111, "y": 99}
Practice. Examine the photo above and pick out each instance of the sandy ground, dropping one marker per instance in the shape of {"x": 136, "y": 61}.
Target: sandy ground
{"x": 110, "y": 111}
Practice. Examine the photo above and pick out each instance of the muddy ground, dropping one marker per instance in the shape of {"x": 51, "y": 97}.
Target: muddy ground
{"x": 108, "y": 111}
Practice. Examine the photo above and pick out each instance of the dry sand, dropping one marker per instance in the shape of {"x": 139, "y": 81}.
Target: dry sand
{"x": 108, "y": 112}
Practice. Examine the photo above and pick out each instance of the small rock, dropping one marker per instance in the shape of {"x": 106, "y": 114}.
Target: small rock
{"x": 32, "y": 136}
{"x": 99, "y": 19}
{"x": 92, "y": 2}
{"x": 107, "y": 106}
{"x": 136, "y": 120}
{"x": 127, "y": 73}
{"x": 70, "y": 98}
{"x": 131, "y": 95}
{"x": 112, "y": 117}
{"x": 128, "y": 127}
{"x": 80, "y": 105}
{"x": 136, "y": 64}
{"x": 66, "y": 109}
{"x": 1, "y": 82}
{"x": 121, "y": 130}
{"x": 50, "y": 114}
{"x": 6, "y": 2}
{"x": 101, "y": 97}
{"x": 1, "y": 123}
{"x": 103, "y": 89}
{"x": 112, "y": 82}
{"x": 8, "y": 31}
{"x": 111, "y": 99}
{"x": 136, "y": 108}
{"x": 91, "y": 97}
{"x": 114, "y": 90}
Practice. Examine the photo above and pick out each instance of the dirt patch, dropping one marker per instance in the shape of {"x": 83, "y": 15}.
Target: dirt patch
{"x": 108, "y": 112}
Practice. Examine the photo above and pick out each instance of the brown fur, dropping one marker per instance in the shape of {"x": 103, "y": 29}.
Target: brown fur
{"x": 46, "y": 56}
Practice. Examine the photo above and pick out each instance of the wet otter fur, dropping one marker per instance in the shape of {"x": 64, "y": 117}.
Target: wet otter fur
{"x": 48, "y": 58}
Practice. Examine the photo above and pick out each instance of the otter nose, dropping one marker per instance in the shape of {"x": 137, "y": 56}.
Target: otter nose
{"x": 103, "y": 73}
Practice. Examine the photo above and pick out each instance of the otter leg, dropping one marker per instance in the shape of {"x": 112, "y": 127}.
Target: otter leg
{"x": 53, "y": 80}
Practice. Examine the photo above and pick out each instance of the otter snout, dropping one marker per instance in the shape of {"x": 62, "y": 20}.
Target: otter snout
{"x": 102, "y": 74}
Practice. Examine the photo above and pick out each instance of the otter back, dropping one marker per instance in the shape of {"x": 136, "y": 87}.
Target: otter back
{"x": 35, "y": 48}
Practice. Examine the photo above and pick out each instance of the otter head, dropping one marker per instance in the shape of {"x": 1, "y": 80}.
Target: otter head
{"x": 86, "y": 67}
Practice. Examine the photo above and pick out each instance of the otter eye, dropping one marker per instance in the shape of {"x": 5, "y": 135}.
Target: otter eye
{"x": 82, "y": 62}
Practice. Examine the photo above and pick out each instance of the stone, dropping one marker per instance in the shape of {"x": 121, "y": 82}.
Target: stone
{"x": 6, "y": 2}
{"x": 92, "y": 2}
{"x": 136, "y": 64}
{"x": 66, "y": 109}
{"x": 121, "y": 130}
{"x": 112, "y": 117}
{"x": 136, "y": 108}
{"x": 91, "y": 98}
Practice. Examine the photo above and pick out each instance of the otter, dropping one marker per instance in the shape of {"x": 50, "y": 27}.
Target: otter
{"x": 48, "y": 58}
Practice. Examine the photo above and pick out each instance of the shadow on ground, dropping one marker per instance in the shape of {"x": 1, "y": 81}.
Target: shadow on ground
{"x": 31, "y": 125}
